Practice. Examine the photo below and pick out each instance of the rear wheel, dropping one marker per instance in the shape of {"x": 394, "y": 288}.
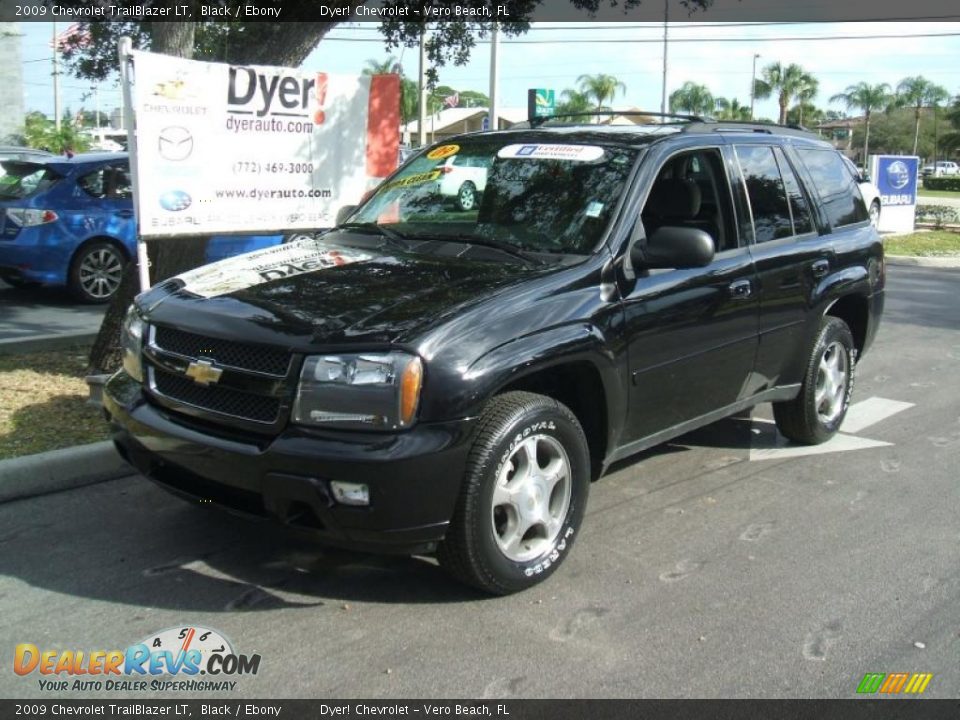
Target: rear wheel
{"x": 96, "y": 271}
{"x": 816, "y": 414}
{"x": 467, "y": 196}
{"x": 523, "y": 495}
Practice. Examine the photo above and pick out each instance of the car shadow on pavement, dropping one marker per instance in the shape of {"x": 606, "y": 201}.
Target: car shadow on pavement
{"x": 129, "y": 542}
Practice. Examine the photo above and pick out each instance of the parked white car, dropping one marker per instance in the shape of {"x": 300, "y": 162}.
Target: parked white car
{"x": 941, "y": 168}
{"x": 870, "y": 192}
{"x": 464, "y": 178}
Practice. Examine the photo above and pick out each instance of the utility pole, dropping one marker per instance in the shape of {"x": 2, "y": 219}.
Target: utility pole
{"x": 422, "y": 106}
{"x": 663, "y": 92}
{"x": 56, "y": 79}
{"x": 753, "y": 83}
{"x": 494, "y": 78}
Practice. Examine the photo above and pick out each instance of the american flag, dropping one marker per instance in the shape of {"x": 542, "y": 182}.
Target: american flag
{"x": 451, "y": 101}
{"x": 74, "y": 36}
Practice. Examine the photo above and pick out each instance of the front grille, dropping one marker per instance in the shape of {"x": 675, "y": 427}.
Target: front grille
{"x": 257, "y": 358}
{"x": 217, "y": 399}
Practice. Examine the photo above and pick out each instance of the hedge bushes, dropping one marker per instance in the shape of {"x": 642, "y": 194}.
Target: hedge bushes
{"x": 951, "y": 182}
{"x": 937, "y": 215}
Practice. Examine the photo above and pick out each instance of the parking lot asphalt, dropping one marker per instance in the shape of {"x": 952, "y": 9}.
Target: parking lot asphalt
{"x": 722, "y": 564}
{"x": 38, "y": 311}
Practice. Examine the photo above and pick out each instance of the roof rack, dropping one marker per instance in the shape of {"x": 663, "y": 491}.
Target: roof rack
{"x": 746, "y": 126}
{"x": 536, "y": 122}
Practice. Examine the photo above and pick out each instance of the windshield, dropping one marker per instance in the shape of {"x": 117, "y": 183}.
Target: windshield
{"x": 546, "y": 197}
{"x": 20, "y": 179}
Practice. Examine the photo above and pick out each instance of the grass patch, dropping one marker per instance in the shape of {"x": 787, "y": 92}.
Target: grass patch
{"x": 936, "y": 243}
{"x": 938, "y": 193}
{"x": 43, "y": 403}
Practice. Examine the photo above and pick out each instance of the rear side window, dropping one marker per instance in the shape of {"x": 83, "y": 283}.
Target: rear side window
{"x": 768, "y": 196}
{"x": 20, "y": 179}
{"x": 836, "y": 186}
{"x": 112, "y": 182}
{"x": 799, "y": 209}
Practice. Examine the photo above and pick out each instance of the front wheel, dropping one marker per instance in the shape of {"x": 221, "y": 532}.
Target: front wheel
{"x": 816, "y": 414}
{"x": 523, "y": 495}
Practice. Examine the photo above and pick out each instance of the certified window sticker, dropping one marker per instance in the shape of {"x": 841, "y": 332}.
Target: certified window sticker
{"x": 577, "y": 153}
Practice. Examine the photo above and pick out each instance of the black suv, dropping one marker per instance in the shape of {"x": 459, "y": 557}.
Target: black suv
{"x": 426, "y": 378}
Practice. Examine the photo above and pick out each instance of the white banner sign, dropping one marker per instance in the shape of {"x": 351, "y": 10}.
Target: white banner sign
{"x": 224, "y": 148}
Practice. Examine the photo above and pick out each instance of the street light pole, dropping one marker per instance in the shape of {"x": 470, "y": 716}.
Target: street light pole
{"x": 663, "y": 92}
{"x": 753, "y": 83}
{"x": 494, "y": 111}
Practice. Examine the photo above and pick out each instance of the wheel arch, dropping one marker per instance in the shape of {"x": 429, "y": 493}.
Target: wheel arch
{"x": 854, "y": 310}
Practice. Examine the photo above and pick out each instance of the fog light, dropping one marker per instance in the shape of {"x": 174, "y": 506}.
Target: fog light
{"x": 350, "y": 493}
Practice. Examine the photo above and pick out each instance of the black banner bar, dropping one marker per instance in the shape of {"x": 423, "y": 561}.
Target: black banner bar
{"x": 499, "y": 709}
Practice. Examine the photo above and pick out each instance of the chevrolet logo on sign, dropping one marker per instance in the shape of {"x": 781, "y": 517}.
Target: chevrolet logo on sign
{"x": 203, "y": 372}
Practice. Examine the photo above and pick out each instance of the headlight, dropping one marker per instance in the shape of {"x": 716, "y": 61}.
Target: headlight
{"x": 131, "y": 342}
{"x": 374, "y": 391}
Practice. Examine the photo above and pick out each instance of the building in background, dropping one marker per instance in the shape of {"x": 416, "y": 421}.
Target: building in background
{"x": 11, "y": 81}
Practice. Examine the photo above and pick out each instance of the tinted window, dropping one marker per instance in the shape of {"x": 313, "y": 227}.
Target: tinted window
{"x": 768, "y": 197}
{"x": 107, "y": 182}
{"x": 837, "y": 188}
{"x": 799, "y": 209}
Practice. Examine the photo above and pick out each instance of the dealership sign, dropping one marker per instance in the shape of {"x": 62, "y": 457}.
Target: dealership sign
{"x": 896, "y": 178}
{"x": 224, "y": 148}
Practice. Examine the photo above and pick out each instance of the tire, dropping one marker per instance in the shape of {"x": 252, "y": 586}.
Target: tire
{"x": 96, "y": 271}
{"x": 875, "y": 213}
{"x": 816, "y": 414}
{"x": 486, "y": 545}
{"x": 467, "y": 196}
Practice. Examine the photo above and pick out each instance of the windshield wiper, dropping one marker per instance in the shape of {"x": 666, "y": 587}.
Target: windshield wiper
{"x": 504, "y": 247}
{"x": 396, "y": 238}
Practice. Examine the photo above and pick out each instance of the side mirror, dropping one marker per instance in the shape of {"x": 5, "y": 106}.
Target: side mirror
{"x": 675, "y": 247}
{"x": 345, "y": 212}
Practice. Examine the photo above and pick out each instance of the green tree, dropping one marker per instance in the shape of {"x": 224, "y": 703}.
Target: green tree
{"x": 692, "y": 98}
{"x": 573, "y": 102}
{"x": 918, "y": 92}
{"x": 951, "y": 139}
{"x": 731, "y": 109}
{"x": 866, "y": 98}
{"x": 892, "y": 133}
{"x": 787, "y": 83}
{"x": 41, "y": 133}
{"x": 600, "y": 88}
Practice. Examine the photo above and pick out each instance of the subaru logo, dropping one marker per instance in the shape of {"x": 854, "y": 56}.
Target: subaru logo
{"x": 175, "y": 143}
{"x": 898, "y": 175}
{"x": 175, "y": 200}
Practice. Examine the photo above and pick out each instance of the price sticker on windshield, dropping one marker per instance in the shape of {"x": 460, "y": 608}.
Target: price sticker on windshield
{"x": 444, "y": 151}
{"x": 577, "y": 153}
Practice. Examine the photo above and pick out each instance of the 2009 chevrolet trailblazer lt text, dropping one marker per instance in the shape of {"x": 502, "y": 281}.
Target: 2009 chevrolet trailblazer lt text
{"x": 426, "y": 377}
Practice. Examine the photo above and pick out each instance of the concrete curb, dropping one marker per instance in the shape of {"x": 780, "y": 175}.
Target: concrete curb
{"x": 45, "y": 343}
{"x": 59, "y": 470}
{"x": 916, "y": 260}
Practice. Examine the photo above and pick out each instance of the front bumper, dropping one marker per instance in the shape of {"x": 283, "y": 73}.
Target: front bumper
{"x": 414, "y": 476}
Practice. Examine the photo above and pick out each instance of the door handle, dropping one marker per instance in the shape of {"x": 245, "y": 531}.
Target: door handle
{"x": 820, "y": 268}
{"x": 741, "y": 289}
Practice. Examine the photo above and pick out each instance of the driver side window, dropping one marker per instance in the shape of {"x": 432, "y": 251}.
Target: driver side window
{"x": 692, "y": 190}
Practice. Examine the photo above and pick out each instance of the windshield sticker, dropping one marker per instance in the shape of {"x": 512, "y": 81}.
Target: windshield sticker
{"x": 579, "y": 153}
{"x": 594, "y": 209}
{"x": 261, "y": 266}
{"x": 410, "y": 180}
{"x": 442, "y": 152}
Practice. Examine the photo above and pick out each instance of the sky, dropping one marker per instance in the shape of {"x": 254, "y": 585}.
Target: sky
{"x": 554, "y": 55}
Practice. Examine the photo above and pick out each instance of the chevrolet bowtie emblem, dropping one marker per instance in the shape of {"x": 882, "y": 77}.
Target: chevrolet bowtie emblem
{"x": 203, "y": 372}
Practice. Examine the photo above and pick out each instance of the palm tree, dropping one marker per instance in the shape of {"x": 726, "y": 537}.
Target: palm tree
{"x": 809, "y": 86}
{"x": 600, "y": 88}
{"x": 731, "y": 109}
{"x": 573, "y": 101}
{"x": 692, "y": 98}
{"x": 918, "y": 92}
{"x": 382, "y": 67}
{"x": 867, "y": 98}
{"x": 787, "y": 82}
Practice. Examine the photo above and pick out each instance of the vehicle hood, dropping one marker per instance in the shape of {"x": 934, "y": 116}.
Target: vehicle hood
{"x": 322, "y": 292}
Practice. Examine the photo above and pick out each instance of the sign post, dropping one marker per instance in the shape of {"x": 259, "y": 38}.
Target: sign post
{"x": 125, "y": 51}
{"x": 896, "y": 178}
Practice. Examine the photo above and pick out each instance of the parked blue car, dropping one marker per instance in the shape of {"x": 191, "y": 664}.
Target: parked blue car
{"x": 69, "y": 221}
